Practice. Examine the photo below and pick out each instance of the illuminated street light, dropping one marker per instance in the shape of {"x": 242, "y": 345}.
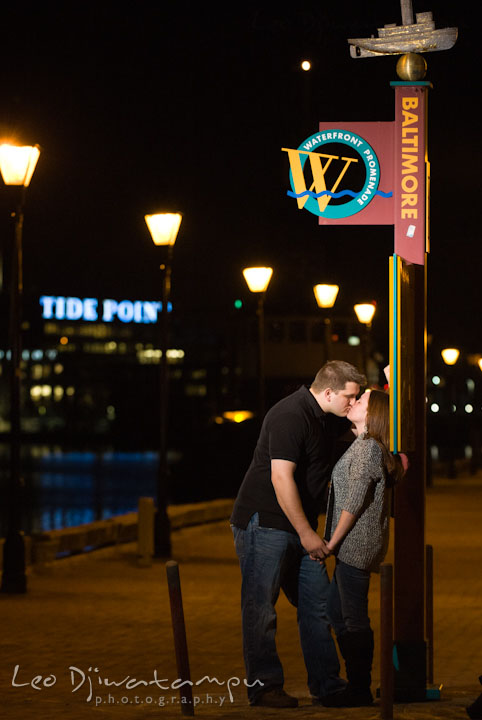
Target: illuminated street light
{"x": 325, "y": 297}
{"x": 17, "y": 165}
{"x": 450, "y": 355}
{"x": 365, "y": 313}
{"x": 306, "y": 65}
{"x": 163, "y": 228}
{"x": 258, "y": 279}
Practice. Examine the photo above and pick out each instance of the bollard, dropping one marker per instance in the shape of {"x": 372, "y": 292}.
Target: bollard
{"x": 386, "y": 641}
{"x": 145, "y": 531}
{"x": 429, "y": 610}
{"x": 180, "y": 642}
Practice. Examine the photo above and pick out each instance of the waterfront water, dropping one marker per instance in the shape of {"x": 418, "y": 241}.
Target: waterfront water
{"x": 64, "y": 489}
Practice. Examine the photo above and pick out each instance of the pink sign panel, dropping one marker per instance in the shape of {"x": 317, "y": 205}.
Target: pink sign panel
{"x": 378, "y": 136}
{"x": 411, "y": 169}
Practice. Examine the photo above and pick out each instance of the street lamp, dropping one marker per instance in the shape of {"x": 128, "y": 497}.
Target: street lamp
{"x": 365, "y": 313}
{"x": 258, "y": 279}
{"x": 450, "y": 357}
{"x": 325, "y": 297}
{"x": 163, "y": 228}
{"x": 17, "y": 165}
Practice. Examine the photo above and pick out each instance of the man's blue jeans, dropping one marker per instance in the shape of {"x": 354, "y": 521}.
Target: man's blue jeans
{"x": 271, "y": 560}
{"x": 348, "y": 599}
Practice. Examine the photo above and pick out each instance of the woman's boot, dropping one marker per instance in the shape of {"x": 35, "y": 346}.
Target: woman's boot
{"x": 474, "y": 711}
{"x": 357, "y": 651}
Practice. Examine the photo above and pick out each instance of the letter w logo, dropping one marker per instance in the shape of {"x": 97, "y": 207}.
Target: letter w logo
{"x": 318, "y": 171}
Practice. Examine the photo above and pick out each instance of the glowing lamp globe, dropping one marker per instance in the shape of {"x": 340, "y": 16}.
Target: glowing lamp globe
{"x": 164, "y": 227}
{"x": 325, "y": 295}
{"x": 258, "y": 278}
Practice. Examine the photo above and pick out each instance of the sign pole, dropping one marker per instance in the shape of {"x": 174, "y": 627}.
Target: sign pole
{"x": 411, "y": 244}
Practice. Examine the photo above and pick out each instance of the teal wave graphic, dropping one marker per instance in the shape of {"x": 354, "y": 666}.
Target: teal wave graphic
{"x": 340, "y": 194}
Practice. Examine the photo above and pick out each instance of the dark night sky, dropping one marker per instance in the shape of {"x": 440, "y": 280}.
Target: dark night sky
{"x": 140, "y": 106}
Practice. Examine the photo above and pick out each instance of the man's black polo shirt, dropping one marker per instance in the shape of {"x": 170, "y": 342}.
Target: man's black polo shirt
{"x": 295, "y": 429}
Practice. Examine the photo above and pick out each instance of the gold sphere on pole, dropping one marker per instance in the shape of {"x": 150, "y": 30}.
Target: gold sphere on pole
{"x": 411, "y": 66}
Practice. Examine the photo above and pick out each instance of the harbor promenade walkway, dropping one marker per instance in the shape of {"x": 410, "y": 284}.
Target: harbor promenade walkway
{"x": 92, "y": 636}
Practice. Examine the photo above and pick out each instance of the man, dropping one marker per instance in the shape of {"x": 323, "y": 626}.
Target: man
{"x": 274, "y": 521}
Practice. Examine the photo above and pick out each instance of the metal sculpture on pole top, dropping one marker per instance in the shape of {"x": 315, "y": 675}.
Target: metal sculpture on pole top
{"x": 409, "y": 37}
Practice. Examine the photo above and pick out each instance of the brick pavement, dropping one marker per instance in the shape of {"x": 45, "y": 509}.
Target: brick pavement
{"x": 101, "y": 611}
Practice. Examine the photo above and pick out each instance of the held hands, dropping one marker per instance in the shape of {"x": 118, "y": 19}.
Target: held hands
{"x": 316, "y": 547}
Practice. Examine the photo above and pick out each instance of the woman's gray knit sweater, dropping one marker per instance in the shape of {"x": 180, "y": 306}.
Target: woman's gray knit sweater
{"x": 358, "y": 486}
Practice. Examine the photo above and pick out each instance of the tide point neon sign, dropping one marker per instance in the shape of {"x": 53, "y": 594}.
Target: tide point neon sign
{"x": 58, "y": 307}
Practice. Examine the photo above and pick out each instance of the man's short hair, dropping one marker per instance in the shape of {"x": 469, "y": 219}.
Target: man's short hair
{"x": 335, "y": 374}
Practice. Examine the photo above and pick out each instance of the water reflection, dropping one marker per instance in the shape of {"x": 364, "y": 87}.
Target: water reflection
{"x": 65, "y": 489}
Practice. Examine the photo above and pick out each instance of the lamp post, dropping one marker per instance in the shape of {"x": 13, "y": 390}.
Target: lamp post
{"x": 365, "y": 313}
{"x": 325, "y": 297}
{"x": 450, "y": 357}
{"x": 17, "y": 165}
{"x": 258, "y": 279}
{"x": 163, "y": 228}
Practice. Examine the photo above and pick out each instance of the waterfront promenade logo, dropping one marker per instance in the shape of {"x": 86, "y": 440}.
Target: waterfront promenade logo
{"x": 341, "y": 178}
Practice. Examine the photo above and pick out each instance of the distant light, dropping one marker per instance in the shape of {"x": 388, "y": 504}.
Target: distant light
{"x": 353, "y": 340}
{"x": 175, "y": 354}
{"x": 238, "y": 416}
{"x": 163, "y": 227}
{"x": 238, "y": 304}
{"x": 36, "y": 392}
{"x": 454, "y": 408}
{"x": 365, "y": 312}
{"x": 434, "y": 407}
{"x": 325, "y": 295}
{"x": 450, "y": 355}
{"x": 306, "y": 65}
{"x": 436, "y": 380}
{"x": 468, "y": 452}
{"x": 257, "y": 278}
{"x": 469, "y": 408}
{"x": 470, "y": 385}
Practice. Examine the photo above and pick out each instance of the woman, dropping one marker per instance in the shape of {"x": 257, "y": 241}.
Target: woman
{"x": 357, "y": 531}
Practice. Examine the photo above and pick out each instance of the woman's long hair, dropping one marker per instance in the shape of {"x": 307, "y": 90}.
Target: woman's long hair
{"x": 378, "y": 428}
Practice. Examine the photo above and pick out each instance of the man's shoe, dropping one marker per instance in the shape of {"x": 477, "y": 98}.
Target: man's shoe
{"x": 474, "y": 711}
{"x": 276, "y": 698}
